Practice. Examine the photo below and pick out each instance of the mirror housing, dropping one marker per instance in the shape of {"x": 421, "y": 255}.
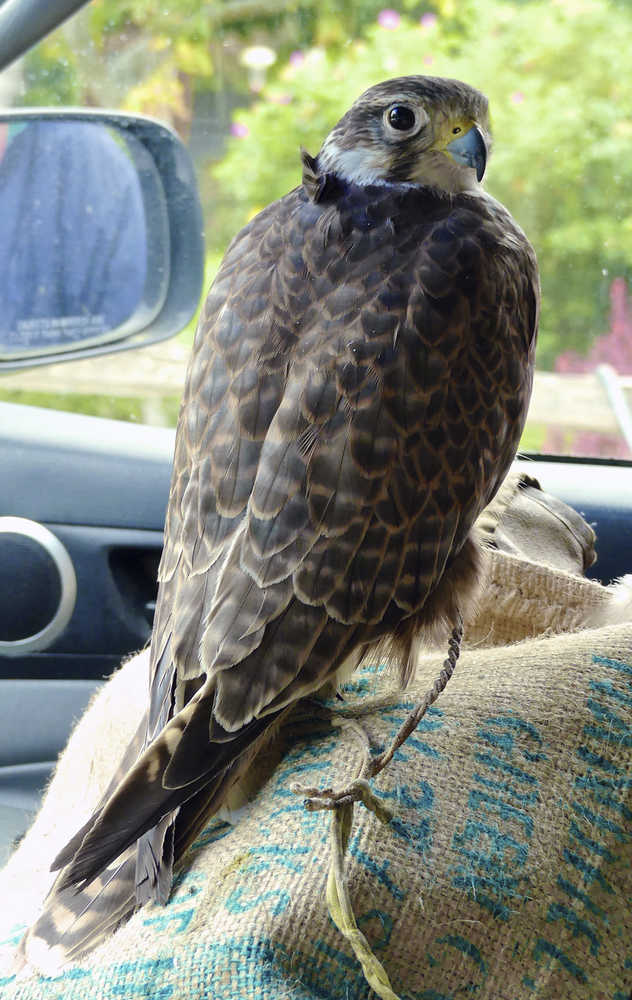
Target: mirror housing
{"x": 103, "y": 246}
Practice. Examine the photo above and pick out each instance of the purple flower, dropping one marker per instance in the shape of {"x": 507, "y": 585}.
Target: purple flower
{"x": 517, "y": 97}
{"x": 428, "y": 20}
{"x": 239, "y": 130}
{"x": 297, "y": 58}
{"x": 388, "y": 19}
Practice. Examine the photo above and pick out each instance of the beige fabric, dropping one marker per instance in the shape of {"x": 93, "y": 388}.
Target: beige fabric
{"x": 82, "y": 774}
{"x": 521, "y": 600}
{"x": 524, "y": 521}
{"x": 505, "y": 874}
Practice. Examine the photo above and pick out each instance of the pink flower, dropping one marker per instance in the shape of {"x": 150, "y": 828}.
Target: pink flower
{"x": 388, "y": 19}
{"x": 611, "y": 348}
{"x": 297, "y": 58}
{"x": 281, "y": 98}
{"x": 517, "y": 97}
{"x": 239, "y": 130}
{"x": 428, "y": 60}
{"x": 428, "y": 20}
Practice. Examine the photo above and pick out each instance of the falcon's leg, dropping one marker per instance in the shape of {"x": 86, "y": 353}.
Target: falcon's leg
{"x": 359, "y": 790}
{"x": 415, "y": 717}
{"x": 341, "y": 804}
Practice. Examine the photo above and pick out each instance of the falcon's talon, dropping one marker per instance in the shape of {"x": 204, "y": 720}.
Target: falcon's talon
{"x": 358, "y": 790}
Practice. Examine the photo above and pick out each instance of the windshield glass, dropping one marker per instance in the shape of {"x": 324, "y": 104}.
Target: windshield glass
{"x": 246, "y": 85}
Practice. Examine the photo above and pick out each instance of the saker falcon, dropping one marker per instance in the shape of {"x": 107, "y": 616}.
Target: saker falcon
{"x": 357, "y": 389}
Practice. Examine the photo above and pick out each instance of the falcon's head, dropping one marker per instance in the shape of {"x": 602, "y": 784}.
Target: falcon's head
{"x": 413, "y": 130}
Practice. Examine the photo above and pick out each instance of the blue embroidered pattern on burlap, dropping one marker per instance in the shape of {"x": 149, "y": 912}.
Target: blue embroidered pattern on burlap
{"x": 491, "y": 847}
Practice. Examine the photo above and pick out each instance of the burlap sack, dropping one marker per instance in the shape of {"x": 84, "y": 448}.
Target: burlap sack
{"x": 505, "y": 874}
{"x": 522, "y": 600}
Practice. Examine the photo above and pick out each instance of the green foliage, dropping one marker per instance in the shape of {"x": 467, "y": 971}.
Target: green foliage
{"x": 163, "y": 411}
{"x": 560, "y": 91}
{"x": 533, "y": 439}
{"x": 50, "y": 76}
{"x": 556, "y": 74}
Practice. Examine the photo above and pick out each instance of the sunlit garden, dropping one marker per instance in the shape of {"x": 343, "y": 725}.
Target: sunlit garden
{"x": 247, "y": 83}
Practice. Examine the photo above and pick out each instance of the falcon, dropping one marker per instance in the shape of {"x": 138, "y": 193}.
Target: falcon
{"x": 357, "y": 389}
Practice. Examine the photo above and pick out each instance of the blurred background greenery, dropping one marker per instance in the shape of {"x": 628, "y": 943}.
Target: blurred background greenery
{"x": 247, "y": 82}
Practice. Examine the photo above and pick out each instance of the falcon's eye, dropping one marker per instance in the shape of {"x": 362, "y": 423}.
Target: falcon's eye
{"x": 401, "y": 118}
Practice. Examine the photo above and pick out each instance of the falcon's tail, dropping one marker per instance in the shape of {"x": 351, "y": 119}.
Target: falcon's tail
{"x": 124, "y": 855}
{"x": 73, "y": 923}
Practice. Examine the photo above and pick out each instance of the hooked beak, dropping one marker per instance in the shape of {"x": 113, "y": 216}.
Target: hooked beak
{"x": 470, "y": 150}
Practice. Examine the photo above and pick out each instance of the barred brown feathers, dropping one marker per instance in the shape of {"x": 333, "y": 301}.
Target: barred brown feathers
{"x": 358, "y": 386}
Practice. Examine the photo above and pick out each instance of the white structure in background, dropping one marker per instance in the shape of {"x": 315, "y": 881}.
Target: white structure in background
{"x": 257, "y": 59}
{"x": 11, "y": 84}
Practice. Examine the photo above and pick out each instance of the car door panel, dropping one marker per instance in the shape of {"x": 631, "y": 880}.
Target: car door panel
{"x": 101, "y": 488}
{"x": 36, "y": 719}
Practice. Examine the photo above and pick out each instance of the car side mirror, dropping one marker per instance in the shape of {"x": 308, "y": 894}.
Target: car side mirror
{"x": 101, "y": 245}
